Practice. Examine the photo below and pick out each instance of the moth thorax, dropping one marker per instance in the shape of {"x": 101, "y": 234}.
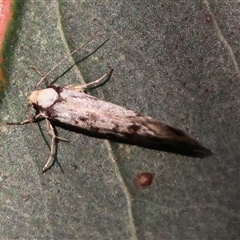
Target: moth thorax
{"x": 43, "y": 98}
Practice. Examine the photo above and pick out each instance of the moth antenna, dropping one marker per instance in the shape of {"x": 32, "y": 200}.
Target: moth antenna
{"x": 65, "y": 58}
{"x": 37, "y": 71}
{"x": 40, "y": 74}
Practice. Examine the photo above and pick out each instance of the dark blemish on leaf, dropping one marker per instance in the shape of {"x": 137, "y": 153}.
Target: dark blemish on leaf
{"x": 144, "y": 179}
{"x": 208, "y": 18}
{"x": 26, "y": 197}
{"x": 75, "y": 167}
{"x": 161, "y": 167}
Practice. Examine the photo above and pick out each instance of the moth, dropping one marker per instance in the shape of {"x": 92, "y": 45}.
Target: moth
{"x": 71, "y": 108}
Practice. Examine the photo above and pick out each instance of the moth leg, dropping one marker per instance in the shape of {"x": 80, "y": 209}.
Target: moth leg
{"x": 30, "y": 120}
{"x": 54, "y": 140}
{"x": 98, "y": 81}
{"x": 53, "y": 146}
{"x": 91, "y": 84}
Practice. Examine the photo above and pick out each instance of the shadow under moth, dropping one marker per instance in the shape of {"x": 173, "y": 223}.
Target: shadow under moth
{"x": 71, "y": 108}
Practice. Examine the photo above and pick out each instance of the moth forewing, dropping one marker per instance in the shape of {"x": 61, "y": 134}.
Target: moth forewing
{"x": 86, "y": 114}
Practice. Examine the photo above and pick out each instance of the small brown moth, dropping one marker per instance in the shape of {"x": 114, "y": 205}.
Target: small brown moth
{"x": 70, "y": 107}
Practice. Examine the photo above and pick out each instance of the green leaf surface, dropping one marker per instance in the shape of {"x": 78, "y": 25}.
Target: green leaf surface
{"x": 177, "y": 61}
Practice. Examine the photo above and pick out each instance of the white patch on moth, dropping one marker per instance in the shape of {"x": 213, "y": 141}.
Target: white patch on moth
{"x": 43, "y": 98}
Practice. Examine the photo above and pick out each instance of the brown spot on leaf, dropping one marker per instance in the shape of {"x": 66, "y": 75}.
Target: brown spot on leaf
{"x": 144, "y": 179}
{"x": 208, "y": 18}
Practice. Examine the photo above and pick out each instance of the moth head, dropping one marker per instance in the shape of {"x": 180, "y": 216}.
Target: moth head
{"x": 43, "y": 98}
{"x": 33, "y": 97}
